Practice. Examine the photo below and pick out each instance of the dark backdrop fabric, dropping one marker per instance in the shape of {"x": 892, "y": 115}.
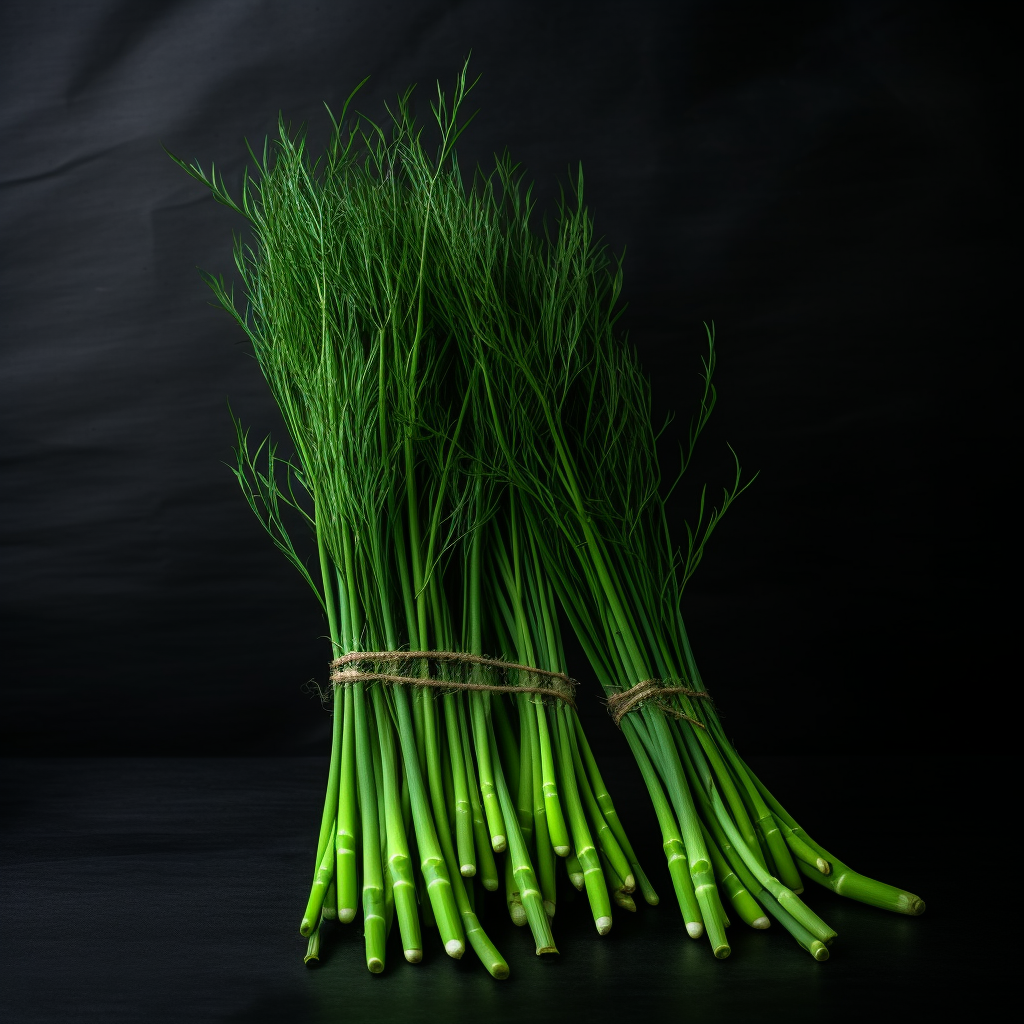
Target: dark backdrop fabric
{"x": 825, "y": 181}
{"x": 828, "y": 182}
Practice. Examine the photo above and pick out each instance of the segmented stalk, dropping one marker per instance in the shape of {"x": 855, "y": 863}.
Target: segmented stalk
{"x": 477, "y": 937}
{"x": 741, "y": 900}
{"x": 557, "y": 830}
{"x": 607, "y": 806}
{"x": 432, "y": 862}
{"x": 346, "y": 837}
{"x": 399, "y": 863}
{"x": 696, "y": 852}
{"x": 487, "y": 870}
{"x": 526, "y": 879}
{"x": 606, "y": 841}
{"x": 843, "y": 880}
{"x": 374, "y": 926}
{"x": 324, "y": 869}
{"x": 542, "y": 839}
{"x": 496, "y": 825}
{"x": 463, "y": 810}
{"x": 585, "y": 850}
{"x": 671, "y": 840}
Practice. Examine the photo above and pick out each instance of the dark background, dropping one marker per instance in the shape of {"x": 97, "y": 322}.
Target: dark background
{"x": 828, "y": 182}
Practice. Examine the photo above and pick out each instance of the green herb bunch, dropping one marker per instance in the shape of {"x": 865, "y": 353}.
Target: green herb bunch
{"x": 475, "y": 461}
{"x": 570, "y": 414}
{"x": 347, "y": 282}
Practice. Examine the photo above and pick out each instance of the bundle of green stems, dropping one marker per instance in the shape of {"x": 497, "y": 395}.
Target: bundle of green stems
{"x": 437, "y": 788}
{"x": 475, "y": 461}
{"x": 570, "y": 415}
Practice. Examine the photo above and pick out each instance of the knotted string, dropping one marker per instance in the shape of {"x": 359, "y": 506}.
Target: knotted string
{"x": 344, "y": 672}
{"x": 651, "y": 691}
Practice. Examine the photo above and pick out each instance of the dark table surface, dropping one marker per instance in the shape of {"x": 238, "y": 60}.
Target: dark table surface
{"x": 163, "y": 889}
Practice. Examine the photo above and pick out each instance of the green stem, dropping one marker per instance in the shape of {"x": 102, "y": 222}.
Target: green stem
{"x": 786, "y": 897}
{"x": 398, "y": 859}
{"x": 477, "y": 937}
{"x": 697, "y": 855}
{"x": 496, "y": 825}
{"x": 768, "y": 827}
{"x": 542, "y": 838}
{"x": 346, "y": 838}
{"x": 513, "y": 897}
{"x": 330, "y": 910}
{"x": 604, "y": 801}
{"x": 742, "y": 902}
{"x": 526, "y": 879}
{"x": 671, "y": 840}
{"x": 508, "y": 747}
{"x": 463, "y": 810}
{"x": 322, "y": 875}
{"x": 804, "y": 938}
{"x": 432, "y": 861}
{"x": 574, "y": 869}
{"x": 487, "y": 870}
{"x": 693, "y": 736}
{"x": 524, "y": 788}
{"x": 586, "y": 852}
{"x": 844, "y": 880}
{"x": 802, "y": 851}
{"x": 321, "y": 882}
{"x": 557, "y": 830}
{"x": 607, "y": 844}
{"x": 374, "y": 926}
{"x": 749, "y": 868}
{"x": 312, "y": 957}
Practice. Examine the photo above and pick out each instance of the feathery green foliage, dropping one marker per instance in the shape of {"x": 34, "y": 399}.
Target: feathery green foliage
{"x": 475, "y": 460}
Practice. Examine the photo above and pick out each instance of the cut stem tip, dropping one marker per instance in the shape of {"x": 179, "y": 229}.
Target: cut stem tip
{"x": 414, "y": 956}
{"x": 694, "y": 929}
{"x": 454, "y": 948}
{"x": 374, "y": 964}
{"x": 346, "y": 916}
{"x": 604, "y": 925}
{"x": 911, "y": 904}
{"x": 760, "y": 922}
